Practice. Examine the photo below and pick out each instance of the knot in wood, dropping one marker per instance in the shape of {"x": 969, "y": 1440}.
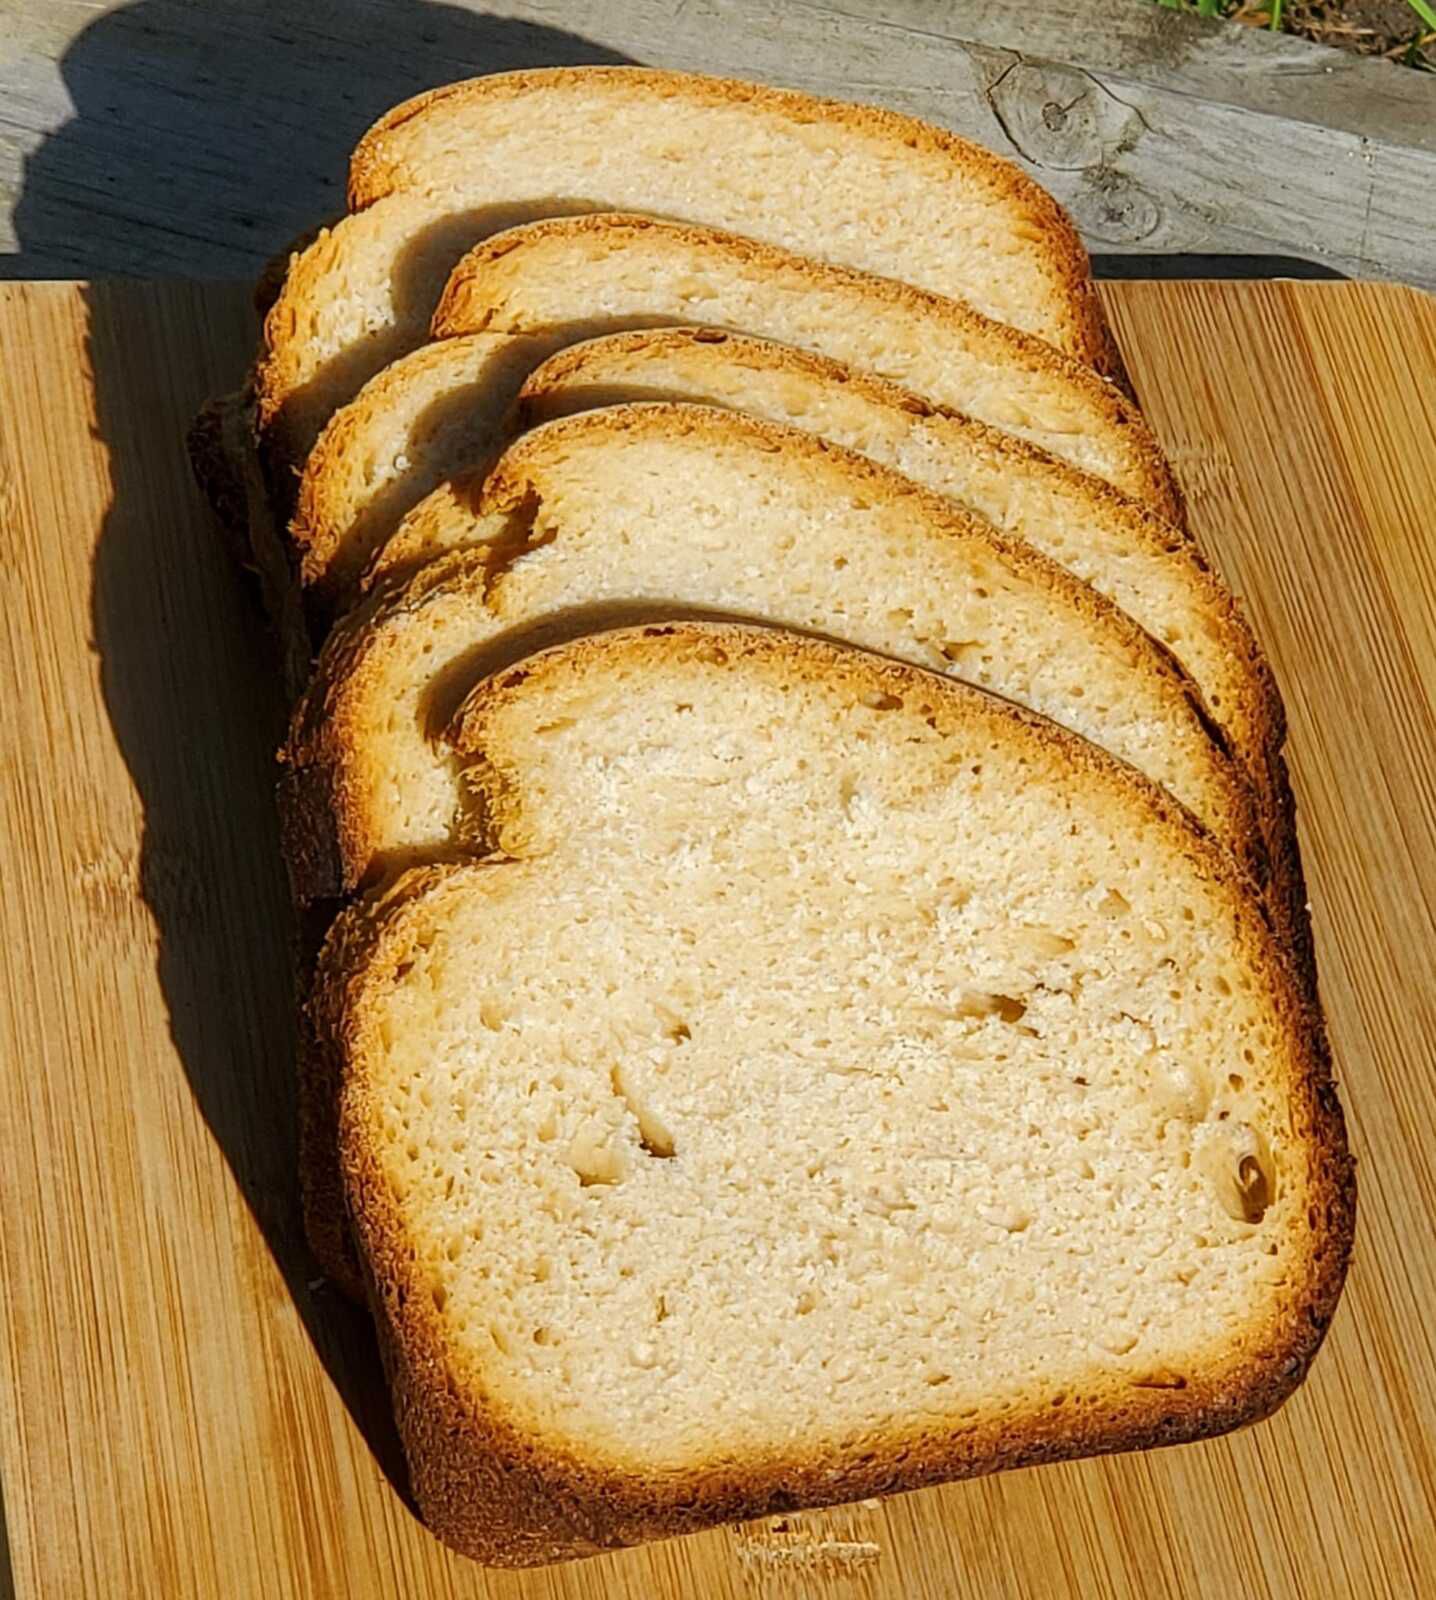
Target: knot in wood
{"x": 1115, "y": 209}
{"x": 1056, "y": 117}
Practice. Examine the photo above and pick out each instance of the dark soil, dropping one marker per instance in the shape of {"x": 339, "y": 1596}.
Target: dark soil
{"x": 1388, "y": 28}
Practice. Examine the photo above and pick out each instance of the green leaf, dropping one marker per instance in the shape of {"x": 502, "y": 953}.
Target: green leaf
{"x": 1426, "y": 11}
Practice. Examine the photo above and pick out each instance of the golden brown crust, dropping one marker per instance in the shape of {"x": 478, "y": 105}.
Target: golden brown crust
{"x": 326, "y": 837}
{"x": 509, "y": 1497}
{"x": 1286, "y": 894}
{"x": 460, "y": 392}
{"x": 313, "y": 532}
{"x": 378, "y": 168}
{"x": 270, "y": 283}
{"x": 317, "y": 1071}
{"x": 219, "y": 476}
{"x": 470, "y": 304}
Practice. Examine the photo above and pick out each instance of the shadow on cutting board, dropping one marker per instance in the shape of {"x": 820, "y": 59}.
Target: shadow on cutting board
{"x": 188, "y": 672}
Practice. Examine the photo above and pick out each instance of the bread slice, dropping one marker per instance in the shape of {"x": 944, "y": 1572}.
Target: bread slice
{"x": 361, "y": 292}
{"x": 546, "y": 285}
{"x": 446, "y": 410}
{"x": 660, "y": 505}
{"x": 899, "y": 196}
{"x": 836, "y": 1081}
{"x": 348, "y": 310}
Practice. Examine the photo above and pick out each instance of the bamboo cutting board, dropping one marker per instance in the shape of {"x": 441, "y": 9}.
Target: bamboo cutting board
{"x": 184, "y": 1413}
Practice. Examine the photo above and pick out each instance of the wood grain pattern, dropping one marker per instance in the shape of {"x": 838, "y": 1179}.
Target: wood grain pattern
{"x": 181, "y": 1413}
{"x": 161, "y": 136}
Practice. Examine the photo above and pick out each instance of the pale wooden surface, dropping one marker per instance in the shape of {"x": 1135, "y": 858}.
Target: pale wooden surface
{"x": 180, "y": 1414}
{"x": 173, "y": 137}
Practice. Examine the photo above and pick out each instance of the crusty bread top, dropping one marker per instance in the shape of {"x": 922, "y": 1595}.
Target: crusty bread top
{"x": 575, "y": 277}
{"x": 1002, "y": 1028}
{"x": 898, "y": 196}
{"x": 1148, "y": 566}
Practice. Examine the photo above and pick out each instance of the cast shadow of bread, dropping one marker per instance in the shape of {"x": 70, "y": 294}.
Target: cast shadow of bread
{"x": 187, "y": 671}
{"x": 192, "y": 691}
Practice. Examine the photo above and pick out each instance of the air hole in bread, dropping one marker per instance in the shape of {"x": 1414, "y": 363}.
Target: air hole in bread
{"x": 596, "y": 1155}
{"x": 1254, "y": 1186}
{"x": 654, "y": 1136}
{"x": 1005, "y": 1007}
{"x": 1160, "y": 1378}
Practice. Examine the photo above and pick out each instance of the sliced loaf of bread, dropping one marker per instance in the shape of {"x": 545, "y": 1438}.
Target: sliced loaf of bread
{"x": 1143, "y": 563}
{"x": 447, "y": 410}
{"x": 662, "y": 505}
{"x": 546, "y": 285}
{"x": 898, "y": 196}
{"x": 836, "y": 1080}
{"x": 440, "y": 173}
{"x": 659, "y": 507}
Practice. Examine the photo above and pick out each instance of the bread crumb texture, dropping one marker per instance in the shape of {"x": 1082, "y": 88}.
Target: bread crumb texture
{"x": 830, "y": 1056}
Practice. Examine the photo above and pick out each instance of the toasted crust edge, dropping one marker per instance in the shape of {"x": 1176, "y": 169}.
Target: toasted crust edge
{"x": 225, "y": 459}
{"x": 375, "y": 171}
{"x": 568, "y": 1507}
{"x": 465, "y": 308}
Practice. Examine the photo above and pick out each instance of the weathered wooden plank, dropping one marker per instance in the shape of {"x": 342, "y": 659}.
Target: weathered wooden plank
{"x": 164, "y": 137}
